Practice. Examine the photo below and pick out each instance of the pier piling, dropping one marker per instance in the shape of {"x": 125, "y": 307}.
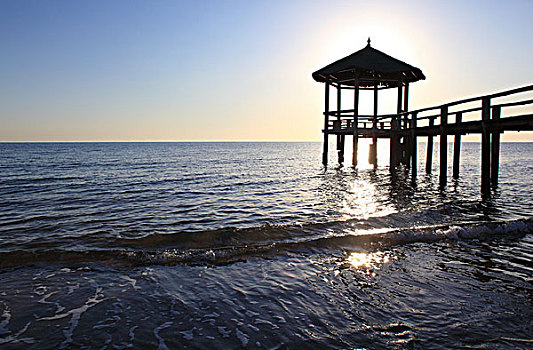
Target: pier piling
{"x": 326, "y": 126}
{"x": 457, "y": 147}
{"x": 414, "y": 145}
{"x": 429, "y": 153}
{"x": 495, "y": 148}
{"x": 485, "y": 146}
{"x": 443, "y": 167}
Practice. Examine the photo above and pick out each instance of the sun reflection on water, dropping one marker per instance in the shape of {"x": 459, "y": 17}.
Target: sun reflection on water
{"x": 367, "y": 260}
{"x": 362, "y": 201}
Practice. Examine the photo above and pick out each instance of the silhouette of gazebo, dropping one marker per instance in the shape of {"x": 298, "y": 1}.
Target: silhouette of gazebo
{"x": 366, "y": 69}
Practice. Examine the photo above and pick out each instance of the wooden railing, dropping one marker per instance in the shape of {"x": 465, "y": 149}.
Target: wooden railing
{"x": 431, "y": 116}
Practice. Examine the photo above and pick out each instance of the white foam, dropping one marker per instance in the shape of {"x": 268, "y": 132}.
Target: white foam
{"x": 162, "y": 345}
{"x": 14, "y": 339}
{"x": 75, "y": 316}
{"x": 463, "y": 231}
{"x": 132, "y": 281}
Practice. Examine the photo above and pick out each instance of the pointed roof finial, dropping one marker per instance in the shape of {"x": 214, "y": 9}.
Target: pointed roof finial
{"x": 368, "y": 41}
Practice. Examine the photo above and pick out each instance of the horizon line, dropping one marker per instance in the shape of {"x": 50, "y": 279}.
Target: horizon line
{"x": 207, "y": 141}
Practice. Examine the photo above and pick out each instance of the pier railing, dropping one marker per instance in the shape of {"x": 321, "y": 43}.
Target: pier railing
{"x": 456, "y": 116}
{"x": 488, "y": 115}
{"x": 463, "y": 111}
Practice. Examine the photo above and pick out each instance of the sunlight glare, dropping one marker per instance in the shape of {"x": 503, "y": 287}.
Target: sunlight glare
{"x": 367, "y": 260}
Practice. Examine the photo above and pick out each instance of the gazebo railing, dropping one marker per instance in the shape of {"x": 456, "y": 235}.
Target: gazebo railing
{"x": 345, "y": 121}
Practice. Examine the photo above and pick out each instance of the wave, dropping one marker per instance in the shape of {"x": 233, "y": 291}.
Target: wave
{"x": 226, "y": 246}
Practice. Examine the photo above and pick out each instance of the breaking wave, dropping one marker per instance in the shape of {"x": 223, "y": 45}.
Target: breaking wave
{"x": 226, "y": 246}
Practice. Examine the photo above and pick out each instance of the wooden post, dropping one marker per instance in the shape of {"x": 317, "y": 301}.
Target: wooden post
{"x": 406, "y": 98}
{"x": 394, "y": 142}
{"x": 340, "y": 138}
{"x": 326, "y": 125}
{"x": 495, "y": 145}
{"x": 457, "y": 147}
{"x": 411, "y": 138}
{"x": 355, "y": 120}
{"x": 485, "y": 147}
{"x": 443, "y": 145}
{"x": 373, "y": 159}
{"x": 395, "y": 146}
{"x": 341, "y": 150}
{"x": 414, "y": 152}
{"x": 429, "y": 155}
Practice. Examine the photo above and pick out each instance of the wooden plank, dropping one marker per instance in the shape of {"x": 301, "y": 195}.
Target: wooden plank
{"x": 514, "y": 123}
{"x": 485, "y": 147}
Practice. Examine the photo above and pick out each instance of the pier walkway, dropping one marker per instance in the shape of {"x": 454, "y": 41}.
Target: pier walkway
{"x": 370, "y": 69}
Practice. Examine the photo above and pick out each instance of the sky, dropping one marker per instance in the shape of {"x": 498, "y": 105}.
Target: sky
{"x": 236, "y": 70}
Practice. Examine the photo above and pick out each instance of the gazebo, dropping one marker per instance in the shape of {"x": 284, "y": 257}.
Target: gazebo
{"x": 367, "y": 69}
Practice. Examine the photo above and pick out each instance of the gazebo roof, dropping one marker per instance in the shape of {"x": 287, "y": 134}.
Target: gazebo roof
{"x": 372, "y": 67}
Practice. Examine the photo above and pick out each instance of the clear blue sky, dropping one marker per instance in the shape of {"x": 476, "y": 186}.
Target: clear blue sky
{"x": 234, "y": 70}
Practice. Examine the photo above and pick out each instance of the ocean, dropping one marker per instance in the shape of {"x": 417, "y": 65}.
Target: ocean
{"x": 256, "y": 245}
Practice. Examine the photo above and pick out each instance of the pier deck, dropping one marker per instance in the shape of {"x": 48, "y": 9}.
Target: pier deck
{"x": 403, "y": 128}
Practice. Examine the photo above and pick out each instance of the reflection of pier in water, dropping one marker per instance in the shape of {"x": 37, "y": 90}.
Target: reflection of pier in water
{"x": 370, "y": 69}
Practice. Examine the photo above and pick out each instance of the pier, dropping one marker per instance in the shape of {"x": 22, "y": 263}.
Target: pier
{"x": 371, "y": 69}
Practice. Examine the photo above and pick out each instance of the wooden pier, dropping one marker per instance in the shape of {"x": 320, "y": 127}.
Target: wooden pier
{"x": 370, "y": 69}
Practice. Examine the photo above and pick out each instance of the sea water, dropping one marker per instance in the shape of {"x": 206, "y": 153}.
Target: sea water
{"x": 256, "y": 245}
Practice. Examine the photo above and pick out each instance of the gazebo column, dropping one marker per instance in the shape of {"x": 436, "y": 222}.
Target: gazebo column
{"x": 340, "y": 137}
{"x": 373, "y": 154}
{"x": 326, "y": 125}
{"x": 355, "y": 121}
{"x": 409, "y": 138}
